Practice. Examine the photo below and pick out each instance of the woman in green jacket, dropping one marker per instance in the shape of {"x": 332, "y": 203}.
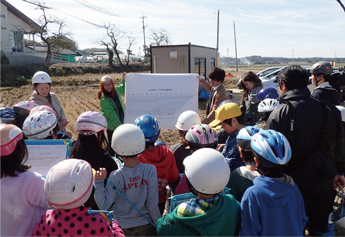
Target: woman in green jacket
{"x": 111, "y": 105}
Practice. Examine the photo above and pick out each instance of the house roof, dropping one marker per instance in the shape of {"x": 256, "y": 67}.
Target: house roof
{"x": 41, "y": 48}
{"x": 22, "y": 17}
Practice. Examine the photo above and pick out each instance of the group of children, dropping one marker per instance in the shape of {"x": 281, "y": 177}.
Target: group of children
{"x": 262, "y": 200}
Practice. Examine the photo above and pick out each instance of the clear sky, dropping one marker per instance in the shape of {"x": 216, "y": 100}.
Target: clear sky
{"x": 272, "y": 28}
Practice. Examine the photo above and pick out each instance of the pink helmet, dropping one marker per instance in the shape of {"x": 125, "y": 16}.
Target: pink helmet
{"x": 10, "y": 135}
{"x": 38, "y": 125}
{"x": 91, "y": 121}
{"x": 43, "y": 108}
{"x": 69, "y": 184}
{"x": 201, "y": 135}
{"x": 24, "y": 107}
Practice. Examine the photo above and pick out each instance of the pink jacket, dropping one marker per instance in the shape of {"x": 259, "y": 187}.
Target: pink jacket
{"x": 74, "y": 222}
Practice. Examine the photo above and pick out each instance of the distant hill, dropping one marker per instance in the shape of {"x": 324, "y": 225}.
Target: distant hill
{"x": 252, "y": 60}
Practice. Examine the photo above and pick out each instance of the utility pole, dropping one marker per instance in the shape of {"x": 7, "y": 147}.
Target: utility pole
{"x": 227, "y": 52}
{"x": 235, "y": 48}
{"x": 145, "y": 48}
{"x": 292, "y": 56}
{"x": 218, "y": 38}
{"x": 334, "y": 57}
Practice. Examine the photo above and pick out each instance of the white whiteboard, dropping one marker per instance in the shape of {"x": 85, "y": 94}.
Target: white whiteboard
{"x": 164, "y": 96}
{"x": 44, "y": 154}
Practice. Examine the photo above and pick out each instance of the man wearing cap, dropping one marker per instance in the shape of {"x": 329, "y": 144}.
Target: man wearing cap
{"x": 320, "y": 77}
{"x": 230, "y": 117}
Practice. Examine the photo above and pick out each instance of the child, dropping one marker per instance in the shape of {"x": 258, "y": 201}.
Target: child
{"x": 39, "y": 125}
{"x": 211, "y": 213}
{"x": 135, "y": 180}
{"x": 7, "y": 115}
{"x": 184, "y": 122}
{"x": 242, "y": 177}
{"x": 267, "y": 93}
{"x": 230, "y": 116}
{"x": 274, "y": 205}
{"x": 159, "y": 156}
{"x": 22, "y": 194}
{"x": 68, "y": 187}
{"x": 217, "y": 92}
{"x": 249, "y": 103}
{"x": 265, "y": 108}
{"x": 91, "y": 144}
{"x": 22, "y": 110}
{"x": 198, "y": 136}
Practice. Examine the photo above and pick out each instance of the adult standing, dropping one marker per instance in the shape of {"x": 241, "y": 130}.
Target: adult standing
{"x": 43, "y": 96}
{"x": 320, "y": 77}
{"x": 302, "y": 119}
{"x": 111, "y": 105}
{"x": 251, "y": 85}
{"x": 217, "y": 92}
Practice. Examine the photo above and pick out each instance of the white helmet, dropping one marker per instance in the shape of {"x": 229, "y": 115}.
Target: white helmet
{"x": 41, "y": 77}
{"x": 91, "y": 121}
{"x": 187, "y": 119}
{"x": 267, "y": 105}
{"x": 69, "y": 184}
{"x": 342, "y": 111}
{"x": 39, "y": 124}
{"x": 207, "y": 171}
{"x": 128, "y": 140}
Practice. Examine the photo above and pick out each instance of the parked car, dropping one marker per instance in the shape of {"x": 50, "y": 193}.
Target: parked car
{"x": 262, "y": 74}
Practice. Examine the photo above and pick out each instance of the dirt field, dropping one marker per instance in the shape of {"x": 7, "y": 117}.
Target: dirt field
{"x": 76, "y": 96}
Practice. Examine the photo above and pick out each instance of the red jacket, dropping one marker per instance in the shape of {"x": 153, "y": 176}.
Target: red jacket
{"x": 164, "y": 161}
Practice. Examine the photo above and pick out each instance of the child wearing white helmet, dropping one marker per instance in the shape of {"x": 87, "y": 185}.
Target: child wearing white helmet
{"x": 211, "y": 213}
{"x": 22, "y": 111}
{"x": 199, "y": 136}
{"x": 265, "y": 108}
{"x": 185, "y": 121}
{"x": 68, "y": 187}
{"x": 159, "y": 156}
{"x": 43, "y": 96}
{"x": 91, "y": 144}
{"x": 22, "y": 194}
{"x": 137, "y": 182}
{"x": 273, "y": 206}
{"x": 40, "y": 125}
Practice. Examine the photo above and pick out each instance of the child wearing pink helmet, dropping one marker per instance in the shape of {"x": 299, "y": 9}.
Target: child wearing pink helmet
{"x": 68, "y": 188}
{"x": 22, "y": 196}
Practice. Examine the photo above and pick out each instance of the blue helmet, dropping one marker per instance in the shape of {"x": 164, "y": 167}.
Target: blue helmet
{"x": 7, "y": 114}
{"x": 160, "y": 143}
{"x": 271, "y": 148}
{"x": 244, "y": 136}
{"x": 267, "y": 93}
{"x": 149, "y": 125}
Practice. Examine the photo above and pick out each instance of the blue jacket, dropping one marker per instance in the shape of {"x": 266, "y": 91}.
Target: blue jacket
{"x": 272, "y": 208}
{"x": 231, "y": 152}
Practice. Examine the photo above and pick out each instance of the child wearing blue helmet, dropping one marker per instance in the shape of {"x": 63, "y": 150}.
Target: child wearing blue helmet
{"x": 274, "y": 205}
{"x": 159, "y": 156}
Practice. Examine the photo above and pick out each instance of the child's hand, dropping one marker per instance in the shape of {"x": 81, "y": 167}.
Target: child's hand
{"x": 220, "y": 147}
{"x": 101, "y": 174}
{"x": 123, "y": 75}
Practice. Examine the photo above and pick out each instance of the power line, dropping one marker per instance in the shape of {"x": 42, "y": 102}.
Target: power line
{"x": 94, "y": 7}
{"x": 175, "y": 6}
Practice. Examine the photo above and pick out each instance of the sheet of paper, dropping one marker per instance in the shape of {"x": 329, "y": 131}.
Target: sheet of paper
{"x": 44, "y": 154}
{"x": 164, "y": 96}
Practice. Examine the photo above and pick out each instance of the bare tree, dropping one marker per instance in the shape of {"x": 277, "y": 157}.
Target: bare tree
{"x": 113, "y": 36}
{"x": 160, "y": 37}
{"x": 341, "y": 4}
{"x": 131, "y": 41}
{"x": 49, "y": 38}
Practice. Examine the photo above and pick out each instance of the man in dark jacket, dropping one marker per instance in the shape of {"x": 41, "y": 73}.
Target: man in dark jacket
{"x": 300, "y": 118}
{"x": 320, "y": 77}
